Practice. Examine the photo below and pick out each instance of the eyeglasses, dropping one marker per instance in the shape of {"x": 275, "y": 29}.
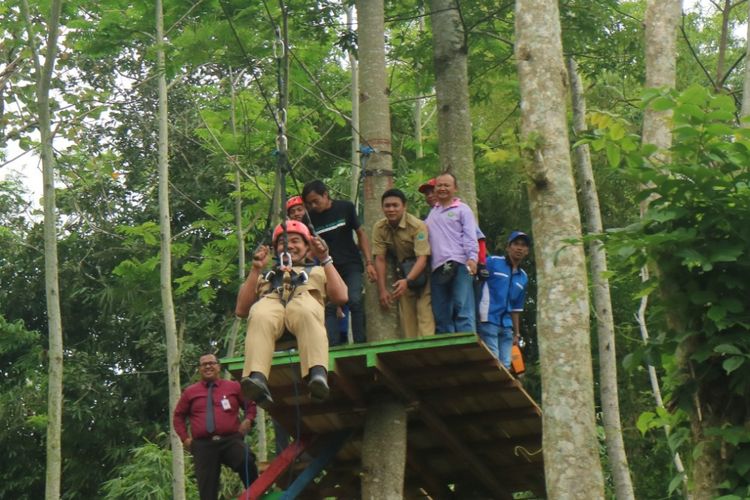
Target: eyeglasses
{"x": 207, "y": 364}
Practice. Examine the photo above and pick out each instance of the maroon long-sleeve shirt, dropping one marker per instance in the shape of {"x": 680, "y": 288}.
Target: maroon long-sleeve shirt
{"x": 192, "y": 406}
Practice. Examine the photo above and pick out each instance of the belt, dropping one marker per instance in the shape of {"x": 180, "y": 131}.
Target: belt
{"x": 216, "y": 438}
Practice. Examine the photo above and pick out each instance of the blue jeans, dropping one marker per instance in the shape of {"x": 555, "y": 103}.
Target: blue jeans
{"x": 453, "y": 302}
{"x": 499, "y": 340}
{"x": 352, "y": 276}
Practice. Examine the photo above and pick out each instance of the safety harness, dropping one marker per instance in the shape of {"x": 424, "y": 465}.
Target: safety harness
{"x": 285, "y": 281}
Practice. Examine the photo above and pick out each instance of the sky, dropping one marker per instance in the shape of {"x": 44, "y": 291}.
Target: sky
{"x": 28, "y": 166}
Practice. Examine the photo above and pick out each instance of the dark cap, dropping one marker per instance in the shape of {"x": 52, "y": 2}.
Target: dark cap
{"x": 519, "y": 234}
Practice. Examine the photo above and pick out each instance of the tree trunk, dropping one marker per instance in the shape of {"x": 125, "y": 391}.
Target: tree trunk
{"x": 43, "y": 79}
{"x": 385, "y": 428}
{"x": 450, "y": 55}
{"x": 354, "y": 125}
{"x": 661, "y": 23}
{"x": 605, "y": 325}
{"x": 571, "y": 455}
{"x": 418, "y": 103}
{"x": 170, "y": 325}
{"x": 720, "y": 62}
{"x": 662, "y": 17}
{"x": 384, "y": 449}
{"x": 746, "y": 82}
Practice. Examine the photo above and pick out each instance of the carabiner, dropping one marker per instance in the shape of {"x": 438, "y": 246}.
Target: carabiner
{"x": 285, "y": 261}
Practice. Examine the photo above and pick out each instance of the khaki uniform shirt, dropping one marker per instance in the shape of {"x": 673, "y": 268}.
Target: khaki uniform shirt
{"x": 407, "y": 240}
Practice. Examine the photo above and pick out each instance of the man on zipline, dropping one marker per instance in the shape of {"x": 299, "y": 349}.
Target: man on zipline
{"x": 291, "y": 296}
{"x": 336, "y": 221}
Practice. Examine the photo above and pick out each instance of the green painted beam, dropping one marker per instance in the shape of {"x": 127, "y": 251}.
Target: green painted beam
{"x": 370, "y": 349}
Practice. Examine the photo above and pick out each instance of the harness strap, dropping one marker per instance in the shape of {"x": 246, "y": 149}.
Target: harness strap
{"x": 286, "y": 282}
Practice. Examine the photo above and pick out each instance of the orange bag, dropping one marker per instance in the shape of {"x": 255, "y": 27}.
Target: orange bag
{"x": 516, "y": 360}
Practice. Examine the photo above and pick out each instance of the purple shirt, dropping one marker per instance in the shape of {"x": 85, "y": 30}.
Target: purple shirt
{"x": 453, "y": 233}
{"x": 192, "y": 405}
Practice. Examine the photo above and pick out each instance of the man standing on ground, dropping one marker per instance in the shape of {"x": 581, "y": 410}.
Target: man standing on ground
{"x": 335, "y": 221}
{"x": 502, "y": 298}
{"x": 404, "y": 237}
{"x": 453, "y": 242}
{"x": 216, "y": 435}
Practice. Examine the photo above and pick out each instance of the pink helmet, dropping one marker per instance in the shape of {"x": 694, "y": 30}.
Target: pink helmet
{"x": 292, "y": 226}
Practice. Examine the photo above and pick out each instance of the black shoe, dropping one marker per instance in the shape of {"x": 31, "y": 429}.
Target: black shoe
{"x": 318, "y": 384}
{"x": 255, "y": 388}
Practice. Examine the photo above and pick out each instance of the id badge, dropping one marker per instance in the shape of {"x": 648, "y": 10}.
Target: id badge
{"x": 225, "y": 404}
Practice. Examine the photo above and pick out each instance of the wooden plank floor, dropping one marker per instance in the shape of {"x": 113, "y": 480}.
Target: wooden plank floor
{"x": 472, "y": 428}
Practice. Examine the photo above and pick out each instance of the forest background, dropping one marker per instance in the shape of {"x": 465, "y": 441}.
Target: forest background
{"x": 222, "y": 139}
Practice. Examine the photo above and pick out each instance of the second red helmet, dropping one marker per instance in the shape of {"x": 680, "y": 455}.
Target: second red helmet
{"x": 293, "y": 201}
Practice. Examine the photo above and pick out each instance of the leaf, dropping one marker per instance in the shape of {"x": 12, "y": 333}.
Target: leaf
{"x": 617, "y": 132}
{"x": 662, "y": 104}
{"x": 644, "y": 422}
{"x": 613, "y": 154}
{"x": 724, "y": 116}
{"x": 732, "y": 363}
{"x": 741, "y": 462}
{"x": 695, "y": 94}
{"x": 727, "y": 349}
{"x": 726, "y": 252}
{"x": 716, "y": 313}
{"x": 719, "y": 129}
{"x": 675, "y": 483}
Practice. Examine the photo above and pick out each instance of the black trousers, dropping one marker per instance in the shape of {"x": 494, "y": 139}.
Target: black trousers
{"x": 208, "y": 456}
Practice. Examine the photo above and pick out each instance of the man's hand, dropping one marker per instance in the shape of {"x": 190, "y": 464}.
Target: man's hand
{"x": 385, "y": 299}
{"x": 187, "y": 444}
{"x": 399, "y": 288}
{"x": 516, "y": 338}
{"x": 261, "y": 257}
{"x": 472, "y": 265}
{"x": 318, "y": 248}
{"x": 372, "y": 274}
{"x": 245, "y": 426}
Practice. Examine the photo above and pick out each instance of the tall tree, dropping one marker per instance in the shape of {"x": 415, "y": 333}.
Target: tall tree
{"x": 384, "y": 440}
{"x": 571, "y": 455}
{"x": 165, "y": 232}
{"x": 42, "y": 79}
{"x": 746, "y": 81}
{"x": 661, "y": 22}
{"x": 662, "y": 18}
{"x": 450, "y": 56}
{"x": 605, "y": 324}
{"x": 354, "y": 125}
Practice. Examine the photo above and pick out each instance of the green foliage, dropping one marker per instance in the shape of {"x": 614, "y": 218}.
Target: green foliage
{"x": 695, "y": 233}
{"x": 23, "y": 416}
{"x": 148, "y": 475}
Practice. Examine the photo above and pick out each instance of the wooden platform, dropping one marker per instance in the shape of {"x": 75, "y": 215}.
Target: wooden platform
{"x": 473, "y": 432}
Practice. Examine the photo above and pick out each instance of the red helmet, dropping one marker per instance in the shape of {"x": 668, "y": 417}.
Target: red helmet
{"x": 293, "y": 201}
{"x": 428, "y": 185}
{"x": 292, "y": 226}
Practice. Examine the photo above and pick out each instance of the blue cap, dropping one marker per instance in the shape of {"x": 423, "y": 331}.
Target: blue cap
{"x": 519, "y": 234}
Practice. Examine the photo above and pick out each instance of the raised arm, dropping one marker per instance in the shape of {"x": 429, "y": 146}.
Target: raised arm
{"x": 249, "y": 289}
{"x": 336, "y": 289}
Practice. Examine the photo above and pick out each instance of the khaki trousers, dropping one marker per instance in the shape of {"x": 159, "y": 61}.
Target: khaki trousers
{"x": 303, "y": 317}
{"x": 415, "y": 313}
